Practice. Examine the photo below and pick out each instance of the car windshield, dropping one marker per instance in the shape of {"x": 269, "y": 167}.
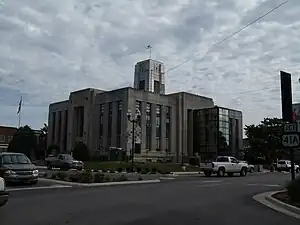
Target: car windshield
{"x": 281, "y": 162}
{"x": 68, "y": 157}
{"x": 15, "y": 159}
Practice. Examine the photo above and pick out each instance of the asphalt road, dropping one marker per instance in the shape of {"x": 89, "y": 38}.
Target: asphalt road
{"x": 194, "y": 200}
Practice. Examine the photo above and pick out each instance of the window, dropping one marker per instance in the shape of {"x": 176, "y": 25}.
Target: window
{"x": 142, "y": 85}
{"x": 156, "y": 87}
{"x": 9, "y": 138}
{"x": 234, "y": 160}
{"x": 157, "y": 144}
{"x": 101, "y": 126}
{"x": 2, "y": 138}
{"x": 158, "y": 121}
{"x": 109, "y": 123}
{"x": 138, "y": 107}
{"x": 53, "y": 126}
{"x": 148, "y": 126}
{"x": 119, "y": 123}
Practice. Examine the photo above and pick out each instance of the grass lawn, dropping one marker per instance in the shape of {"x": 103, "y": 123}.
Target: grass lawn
{"x": 165, "y": 167}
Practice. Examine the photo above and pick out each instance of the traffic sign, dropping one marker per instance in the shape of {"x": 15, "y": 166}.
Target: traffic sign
{"x": 290, "y": 128}
{"x": 290, "y": 140}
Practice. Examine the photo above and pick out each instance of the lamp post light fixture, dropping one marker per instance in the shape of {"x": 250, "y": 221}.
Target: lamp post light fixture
{"x": 134, "y": 120}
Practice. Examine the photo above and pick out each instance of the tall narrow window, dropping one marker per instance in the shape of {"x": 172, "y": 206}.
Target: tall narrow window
{"x": 148, "y": 126}
{"x": 53, "y": 126}
{"x": 168, "y": 128}
{"x": 101, "y": 127}
{"x": 119, "y": 123}
{"x": 109, "y": 124}
{"x": 158, "y": 126}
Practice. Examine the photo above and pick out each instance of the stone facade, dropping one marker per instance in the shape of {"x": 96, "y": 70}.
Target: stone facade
{"x": 99, "y": 119}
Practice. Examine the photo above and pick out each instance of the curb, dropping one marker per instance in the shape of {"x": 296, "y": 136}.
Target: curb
{"x": 267, "y": 200}
{"x": 100, "y": 184}
{"x": 185, "y": 173}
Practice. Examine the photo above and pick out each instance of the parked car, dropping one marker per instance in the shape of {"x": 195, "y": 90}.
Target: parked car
{"x": 17, "y": 167}
{"x": 223, "y": 165}
{"x": 63, "y": 161}
{"x": 250, "y": 167}
{"x": 286, "y": 165}
{"x": 3, "y": 193}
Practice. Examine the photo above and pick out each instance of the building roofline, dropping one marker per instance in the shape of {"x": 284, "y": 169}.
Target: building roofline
{"x": 56, "y": 103}
{"x": 192, "y": 94}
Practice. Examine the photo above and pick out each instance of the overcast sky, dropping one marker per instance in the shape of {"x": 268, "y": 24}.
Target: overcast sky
{"x": 49, "y": 48}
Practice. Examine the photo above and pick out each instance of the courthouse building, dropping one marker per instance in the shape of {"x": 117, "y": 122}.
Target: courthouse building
{"x": 99, "y": 119}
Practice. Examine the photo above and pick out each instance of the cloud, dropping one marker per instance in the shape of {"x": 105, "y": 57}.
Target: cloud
{"x": 49, "y": 48}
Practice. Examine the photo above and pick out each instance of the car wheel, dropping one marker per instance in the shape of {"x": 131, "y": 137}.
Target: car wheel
{"x": 251, "y": 170}
{"x": 243, "y": 172}
{"x": 207, "y": 174}
{"x": 221, "y": 172}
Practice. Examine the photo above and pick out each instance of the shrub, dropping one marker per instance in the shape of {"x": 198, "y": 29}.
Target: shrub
{"x": 107, "y": 178}
{"x": 153, "y": 170}
{"x": 62, "y": 175}
{"x": 123, "y": 177}
{"x": 86, "y": 177}
{"x": 144, "y": 172}
{"x": 293, "y": 189}
{"x": 140, "y": 177}
{"x": 120, "y": 169}
{"x": 99, "y": 177}
{"x": 75, "y": 176}
{"x": 54, "y": 176}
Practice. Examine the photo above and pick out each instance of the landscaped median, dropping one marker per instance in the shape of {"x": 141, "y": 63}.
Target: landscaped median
{"x": 285, "y": 201}
{"x": 97, "y": 178}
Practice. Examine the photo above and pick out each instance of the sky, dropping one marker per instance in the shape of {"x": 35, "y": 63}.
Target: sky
{"x": 49, "y": 48}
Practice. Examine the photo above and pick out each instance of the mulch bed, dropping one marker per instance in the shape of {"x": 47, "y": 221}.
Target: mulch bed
{"x": 283, "y": 196}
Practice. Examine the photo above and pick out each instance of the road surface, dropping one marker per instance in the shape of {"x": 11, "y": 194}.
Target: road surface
{"x": 193, "y": 200}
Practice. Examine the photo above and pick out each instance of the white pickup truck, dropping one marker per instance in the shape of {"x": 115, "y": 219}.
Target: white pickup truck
{"x": 223, "y": 165}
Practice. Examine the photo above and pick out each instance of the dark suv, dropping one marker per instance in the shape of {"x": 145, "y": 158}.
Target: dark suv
{"x": 17, "y": 167}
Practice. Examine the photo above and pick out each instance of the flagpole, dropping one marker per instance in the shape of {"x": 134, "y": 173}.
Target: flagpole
{"x": 20, "y": 111}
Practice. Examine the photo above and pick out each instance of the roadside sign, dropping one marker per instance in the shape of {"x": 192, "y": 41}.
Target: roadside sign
{"x": 290, "y": 128}
{"x": 290, "y": 140}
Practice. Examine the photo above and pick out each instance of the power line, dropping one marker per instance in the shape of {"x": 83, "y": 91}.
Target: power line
{"x": 229, "y": 36}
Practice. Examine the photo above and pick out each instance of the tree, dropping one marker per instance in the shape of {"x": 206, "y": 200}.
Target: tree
{"x": 81, "y": 152}
{"x": 42, "y": 144}
{"x": 23, "y": 141}
{"x": 265, "y": 140}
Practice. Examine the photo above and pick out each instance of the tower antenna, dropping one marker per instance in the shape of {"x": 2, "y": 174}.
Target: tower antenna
{"x": 149, "y": 47}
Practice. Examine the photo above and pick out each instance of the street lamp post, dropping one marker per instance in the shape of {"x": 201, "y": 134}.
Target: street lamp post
{"x": 133, "y": 119}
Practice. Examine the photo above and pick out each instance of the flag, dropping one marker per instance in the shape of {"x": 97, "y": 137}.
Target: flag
{"x": 20, "y": 106}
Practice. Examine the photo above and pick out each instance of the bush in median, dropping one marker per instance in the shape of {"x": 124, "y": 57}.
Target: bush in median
{"x": 293, "y": 189}
{"x": 86, "y": 177}
{"x": 99, "y": 177}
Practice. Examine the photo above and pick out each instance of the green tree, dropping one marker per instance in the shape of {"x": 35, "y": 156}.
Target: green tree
{"x": 81, "y": 152}
{"x": 265, "y": 140}
{"x": 23, "y": 141}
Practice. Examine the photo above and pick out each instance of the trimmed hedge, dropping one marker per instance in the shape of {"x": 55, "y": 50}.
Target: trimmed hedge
{"x": 143, "y": 168}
